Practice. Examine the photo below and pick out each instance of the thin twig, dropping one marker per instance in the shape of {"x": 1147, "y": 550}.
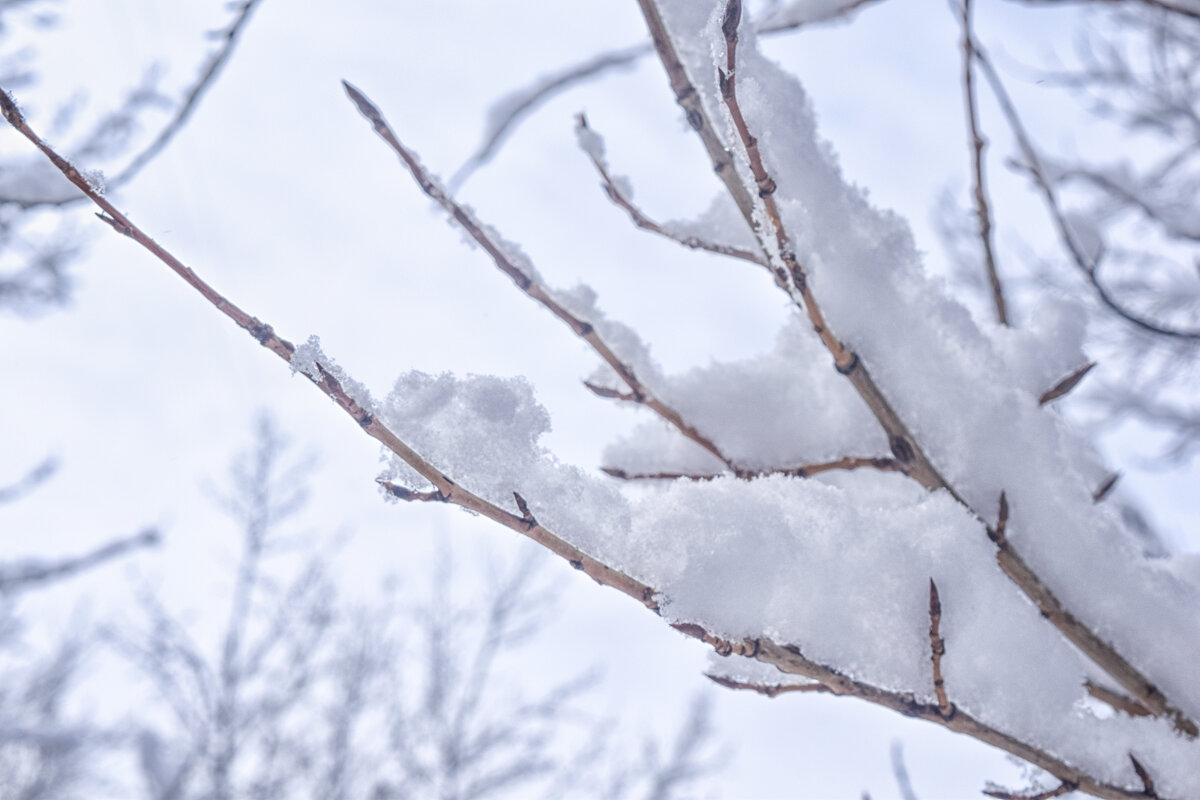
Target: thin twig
{"x": 526, "y": 282}
{"x": 29, "y": 481}
{"x": 769, "y": 689}
{"x": 1116, "y": 700}
{"x": 20, "y": 575}
{"x": 516, "y": 106}
{"x": 1066, "y": 787}
{"x": 937, "y": 649}
{"x": 1087, "y": 265}
{"x": 328, "y": 384}
{"x": 639, "y": 218}
{"x": 191, "y": 101}
{"x": 982, "y": 208}
{"x": 1066, "y": 384}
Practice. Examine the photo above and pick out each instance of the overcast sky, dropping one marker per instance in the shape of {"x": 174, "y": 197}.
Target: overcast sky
{"x": 279, "y": 195}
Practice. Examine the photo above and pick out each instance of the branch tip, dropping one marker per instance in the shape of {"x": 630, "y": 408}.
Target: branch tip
{"x": 1066, "y": 384}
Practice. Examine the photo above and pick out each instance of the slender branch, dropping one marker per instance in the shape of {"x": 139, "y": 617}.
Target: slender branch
{"x": 506, "y": 114}
{"x": 769, "y": 689}
{"x": 1088, "y": 641}
{"x": 1066, "y": 384}
{"x": 525, "y": 279}
{"x": 191, "y": 101}
{"x": 29, "y": 481}
{"x": 787, "y": 658}
{"x": 1089, "y": 266}
{"x": 20, "y": 575}
{"x": 208, "y": 76}
{"x": 1164, "y": 5}
{"x": 982, "y": 207}
{"x": 937, "y": 649}
{"x": 1066, "y": 787}
{"x": 1117, "y": 700}
{"x": 328, "y": 384}
{"x": 806, "y": 471}
{"x": 619, "y": 198}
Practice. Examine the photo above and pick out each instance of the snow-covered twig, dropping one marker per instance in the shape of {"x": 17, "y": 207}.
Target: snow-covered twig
{"x": 522, "y": 273}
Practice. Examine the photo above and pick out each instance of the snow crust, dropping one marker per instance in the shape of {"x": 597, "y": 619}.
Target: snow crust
{"x": 840, "y": 565}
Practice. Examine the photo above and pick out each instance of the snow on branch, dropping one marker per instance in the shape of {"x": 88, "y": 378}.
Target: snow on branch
{"x": 816, "y": 577}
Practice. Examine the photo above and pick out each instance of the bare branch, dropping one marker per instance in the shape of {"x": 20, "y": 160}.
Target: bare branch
{"x": 28, "y": 482}
{"x": 328, "y": 383}
{"x": 982, "y": 207}
{"x": 619, "y": 198}
{"x": 769, "y": 689}
{"x": 507, "y": 113}
{"x": 1065, "y": 385}
{"x": 19, "y": 576}
{"x": 1089, "y": 266}
{"x": 1164, "y": 5}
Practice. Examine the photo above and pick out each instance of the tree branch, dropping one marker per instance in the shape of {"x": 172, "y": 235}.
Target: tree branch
{"x": 982, "y": 208}
{"x": 619, "y": 198}
{"x": 1089, "y": 266}
{"x": 18, "y": 576}
{"x": 526, "y": 280}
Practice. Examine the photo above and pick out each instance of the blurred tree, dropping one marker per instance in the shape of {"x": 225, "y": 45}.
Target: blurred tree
{"x": 310, "y": 695}
{"x": 36, "y": 242}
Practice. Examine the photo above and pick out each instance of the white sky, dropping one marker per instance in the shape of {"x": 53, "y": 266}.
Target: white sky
{"x": 282, "y": 198}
